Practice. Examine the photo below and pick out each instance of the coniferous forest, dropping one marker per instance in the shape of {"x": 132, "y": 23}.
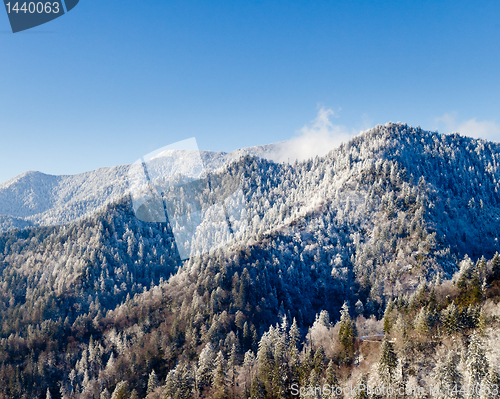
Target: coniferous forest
{"x": 377, "y": 265}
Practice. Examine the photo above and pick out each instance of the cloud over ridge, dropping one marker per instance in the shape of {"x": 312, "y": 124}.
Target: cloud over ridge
{"x": 314, "y": 139}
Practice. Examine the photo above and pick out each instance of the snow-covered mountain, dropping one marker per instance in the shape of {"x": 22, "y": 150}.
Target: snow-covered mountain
{"x": 398, "y": 226}
{"x": 35, "y": 198}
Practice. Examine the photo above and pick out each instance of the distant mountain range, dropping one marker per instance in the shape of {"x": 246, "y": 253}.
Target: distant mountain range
{"x": 38, "y": 199}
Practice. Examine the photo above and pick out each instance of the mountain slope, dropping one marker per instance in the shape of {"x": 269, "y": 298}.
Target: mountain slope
{"x": 35, "y": 198}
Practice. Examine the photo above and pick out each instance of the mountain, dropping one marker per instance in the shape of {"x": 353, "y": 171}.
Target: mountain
{"x": 393, "y": 233}
{"x": 38, "y": 199}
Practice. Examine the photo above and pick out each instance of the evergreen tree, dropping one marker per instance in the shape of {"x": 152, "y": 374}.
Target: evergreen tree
{"x": 387, "y": 317}
{"x": 265, "y": 360}
{"x": 280, "y": 366}
{"x": 232, "y": 368}
{"x": 477, "y": 362}
{"x": 495, "y": 266}
{"x": 421, "y": 323}
{"x": 474, "y": 288}
{"x": 219, "y": 377}
{"x": 247, "y": 339}
{"x": 359, "y": 307}
{"x": 318, "y": 362}
{"x": 153, "y": 382}
{"x": 481, "y": 323}
{"x": 294, "y": 336}
{"x": 362, "y": 387}
{"x": 448, "y": 376}
{"x": 172, "y": 384}
{"x": 331, "y": 376}
{"x": 388, "y": 361}
{"x": 121, "y": 391}
{"x": 489, "y": 385}
{"x": 347, "y": 335}
{"x": 450, "y": 319}
{"x": 257, "y": 390}
{"x": 312, "y": 386}
{"x": 324, "y": 318}
{"x": 205, "y": 367}
{"x": 465, "y": 272}
{"x": 293, "y": 352}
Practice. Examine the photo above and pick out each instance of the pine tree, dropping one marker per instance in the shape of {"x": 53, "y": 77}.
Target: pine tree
{"x": 474, "y": 288}
{"x": 265, "y": 360}
{"x": 387, "y": 317}
{"x": 324, "y": 318}
{"x": 331, "y": 376}
{"x": 171, "y": 384}
{"x": 186, "y": 385}
{"x": 495, "y": 267}
{"x": 421, "y": 323}
{"x": 432, "y": 304}
{"x": 465, "y": 272}
{"x": 247, "y": 339}
{"x": 293, "y": 352}
{"x": 180, "y": 383}
{"x": 318, "y": 362}
{"x": 257, "y": 390}
{"x": 362, "y": 387}
{"x": 388, "y": 361}
{"x": 219, "y": 377}
{"x": 450, "y": 319}
{"x": 232, "y": 368}
{"x": 121, "y": 391}
{"x": 153, "y": 382}
{"x": 294, "y": 336}
{"x": 481, "y": 323}
{"x": 205, "y": 366}
{"x": 63, "y": 391}
{"x": 477, "y": 362}
{"x": 347, "y": 335}
{"x": 489, "y": 386}
{"x": 280, "y": 367}
{"x": 312, "y": 386}
{"x": 359, "y": 307}
{"x": 448, "y": 376}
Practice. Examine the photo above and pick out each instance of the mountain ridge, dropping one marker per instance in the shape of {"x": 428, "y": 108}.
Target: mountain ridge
{"x": 35, "y": 198}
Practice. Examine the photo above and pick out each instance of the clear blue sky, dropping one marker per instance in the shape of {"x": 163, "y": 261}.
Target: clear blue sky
{"x": 115, "y": 79}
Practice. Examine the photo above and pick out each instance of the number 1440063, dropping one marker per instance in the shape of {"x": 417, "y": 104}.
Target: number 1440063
{"x": 33, "y": 7}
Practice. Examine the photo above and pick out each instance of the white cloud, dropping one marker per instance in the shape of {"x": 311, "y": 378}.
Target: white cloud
{"x": 317, "y": 138}
{"x": 487, "y": 130}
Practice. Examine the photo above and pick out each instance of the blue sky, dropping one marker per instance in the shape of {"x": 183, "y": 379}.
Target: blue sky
{"x": 113, "y": 80}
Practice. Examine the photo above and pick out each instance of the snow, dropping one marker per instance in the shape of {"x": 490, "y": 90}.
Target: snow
{"x": 35, "y": 198}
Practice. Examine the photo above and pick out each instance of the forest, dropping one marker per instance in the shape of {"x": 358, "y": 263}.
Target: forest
{"x": 375, "y": 266}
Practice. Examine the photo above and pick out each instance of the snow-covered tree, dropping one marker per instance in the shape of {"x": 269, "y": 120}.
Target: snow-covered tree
{"x": 153, "y": 382}
{"x": 388, "y": 361}
{"x": 205, "y": 366}
{"x": 121, "y": 391}
{"x": 219, "y": 377}
{"x": 347, "y": 335}
{"x": 447, "y": 376}
{"x": 477, "y": 362}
